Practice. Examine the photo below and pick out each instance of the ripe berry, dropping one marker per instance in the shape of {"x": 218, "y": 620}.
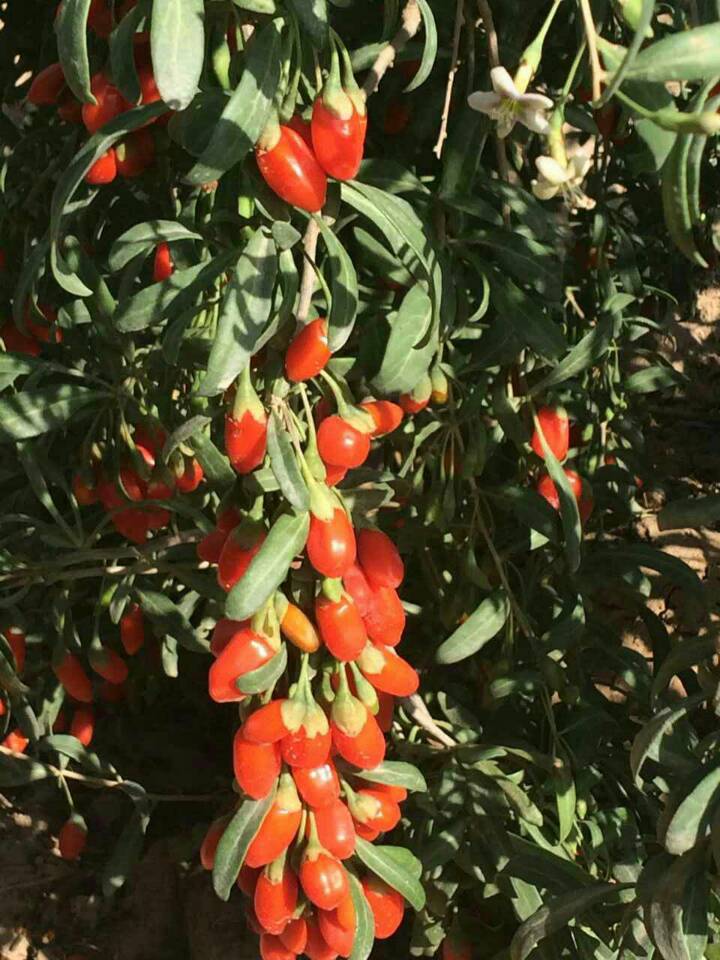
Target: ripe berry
{"x": 318, "y": 786}
{"x": 244, "y": 653}
{"x": 275, "y": 900}
{"x": 336, "y": 830}
{"x": 308, "y": 353}
{"x": 256, "y": 765}
{"x": 387, "y": 905}
{"x": 279, "y": 828}
{"x": 555, "y": 426}
{"x": 72, "y": 838}
{"x": 72, "y": 676}
{"x": 380, "y": 559}
{"x": 324, "y": 880}
{"x": 341, "y": 444}
{"x": 331, "y": 545}
{"x": 386, "y": 415}
{"x": 387, "y": 671}
{"x": 83, "y": 725}
{"x": 341, "y": 627}
{"x": 211, "y": 841}
{"x": 132, "y": 630}
{"x": 385, "y": 619}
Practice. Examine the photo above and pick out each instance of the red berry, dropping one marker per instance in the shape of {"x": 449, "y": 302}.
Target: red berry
{"x": 246, "y": 440}
{"x": 555, "y": 426}
{"x": 308, "y": 353}
{"x": 71, "y": 675}
{"x": 104, "y": 170}
{"x": 83, "y": 725}
{"x": 364, "y": 749}
{"x": 387, "y": 905}
{"x": 331, "y": 545}
{"x": 387, "y": 671}
{"x": 290, "y": 169}
{"x": 385, "y": 619}
{"x": 336, "y": 829}
{"x": 244, "y": 653}
{"x": 110, "y": 104}
{"x": 135, "y": 154}
{"x": 47, "y": 86}
{"x": 257, "y": 765}
{"x": 341, "y": 445}
{"x": 387, "y": 416}
{"x": 317, "y": 786}
{"x": 163, "y": 266}
{"x": 211, "y": 841}
{"x": 324, "y": 880}
{"x": 275, "y": 902}
{"x": 341, "y": 627}
{"x": 72, "y": 838}
{"x": 279, "y": 827}
{"x": 338, "y": 141}
{"x": 132, "y": 630}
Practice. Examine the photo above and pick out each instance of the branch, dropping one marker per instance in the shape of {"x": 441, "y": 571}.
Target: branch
{"x": 590, "y": 33}
{"x": 454, "y": 66}
{"x": 415, "y": 706}
{"x": 494, "y": 58}
{"x": 410, "y": 24}
{"x": 307, "y": 286}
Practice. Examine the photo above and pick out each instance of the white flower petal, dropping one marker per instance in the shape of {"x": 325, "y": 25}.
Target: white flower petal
{"x": 580, "y": 165}
{"x": 536, "y": 101}
{"x": 503, "y": 83}
{"x": 484, "y": 101}
{"x": 534, "y": 120}
{"x": 550, "y": 170}
{"x": 544, "y": 190}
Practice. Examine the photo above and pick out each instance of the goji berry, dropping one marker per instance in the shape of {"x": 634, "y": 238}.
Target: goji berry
{"x": 555, "y": 426}
{"x": 387, "y": 905}
{"x": 331, "y": 546}
{"x": 276, "y": 898}
{"x": 72, "y": 838}
{"x": 290, "y": 169}
{"x": 257, "y": 766}
{"x": 318, "y": 786}
{"x": 132, "y": 630}
{"x": 341, "y": 627}
{"x": 324, "y": 879}
{"x": 308, "y": 352}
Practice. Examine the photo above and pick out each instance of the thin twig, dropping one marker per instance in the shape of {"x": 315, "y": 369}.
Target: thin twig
{"x": 410, "y": 24}
{"x": 454, "y": 66}
{"x": 415, "y": 706}
{"x": 102, "y": 783}
{"x": 307, "y": 286}
{"x": 591, "y": 35}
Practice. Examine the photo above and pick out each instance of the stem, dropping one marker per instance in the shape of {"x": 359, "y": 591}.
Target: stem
{"x": 591, "y": 34}
{"x": 573, "y": 71}
{"x": 307, "y": 286}
{"x": 494, "y": 58}
{"x": 410, "y": 24}
{"x": 452, "y": 73}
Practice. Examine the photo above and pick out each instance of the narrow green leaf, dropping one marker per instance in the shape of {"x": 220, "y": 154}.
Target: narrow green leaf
{"x": 409, "y": 349}
{"x": 14, "y": 365}
{"x": 20, "y": 771}
{"x": 71, "y": 747}
{"x": 244, "y": 313}
{"x": 265, "y": 677}
{"x": 565, "y": 798}
{"x": 343, "y": 289}
{"x": 122, "y": 51}
{"x": 692, "y": 819}
{"x": 685, "y": 55}
{"x": 71, "y": 29}
{"x": 589, "y": 350}
{"x": 161, "y": 610}
{"x": 479, "y": 628}
{"x": 684, "y": 655}
{"x": 177, "y": 43}
{"x": 527, "y": 319}
{"x": 246, "y": 113}
{"x": 215, "y": 464}
{"x": 34, "y": 412}
{"x": 395, "y": 773}
{"x": 398, "y": 873}
{"x": 269, "y": 566}
{"x": 126, "y": 853}
{"x": 184, "y": 433}
{"x": 429, "y": 50}
{"x": 364, "y": 923}
{"x": 313, "y": 18}
{"x": 235, "y": 842}
{"x": 647, "y": 740}
{"x": 283, "y": 462}
{"x": 144, "y": 237}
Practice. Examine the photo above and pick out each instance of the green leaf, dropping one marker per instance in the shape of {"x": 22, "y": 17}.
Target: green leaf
{"x": 684, "y": 655}
{"x": 126, "y": 853}
{"x": 395, "y": 773}
{"x": 429, "y": 50}
{"x": 630, "y": 556}
{"x": 265, "y": 677}
{"x": 313, "y": 18}
{"x": 171, "y": 297}
{"x": 34, "y": 412}
{"x": 177, "y": 43}
{"x": 184, "y": 433}
{"x": 676, "y": 200}
{"x": 397, "y": 867}
{"x": 144, "y": 237}
{"x": 691, "y": 821}
{"x": 283, "y": 462}
{"x": 244, "y": 314}
{"x": 527, "y": 260}
{"x": 524, "y": 315}
{"x": 20, "y": 771}
{"x": 122, "y": 52}
{"x": 14, "y": 365}
{"x": 246, "y": 113}
{"x": 71, "y": 29}
{"x": 655, "y": 378}
{"x": 235, "y": 842}
{"x": 169, "y": 617}
{"x": 364, "y": 922}
{"x": 647, "y": 741}
{"x": 269, "y": 566}
{"x": 557, "y": 914}
{"x": 685, "y": 55}
{"x": 215, "y": 464}
{"x": 589, "y": 350}
{"x": 71, "y": 747}
{"x": 677, "y": 914}
{"x": 569, "y": 512}
{"x": 409, "y": 349}
{"x": 343, "y": 289}
{"x": 565, "y": 798}
{"x": 479, "y": 628}
{"x": 641, "y": 23}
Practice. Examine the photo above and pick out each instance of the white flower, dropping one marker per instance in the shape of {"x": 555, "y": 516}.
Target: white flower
{"x": 555, "y": 179}
{"x": 509, "y": 106}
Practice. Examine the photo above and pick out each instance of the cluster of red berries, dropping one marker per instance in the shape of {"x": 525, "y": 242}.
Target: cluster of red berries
{"x": 296, "y": 158}
{"x": 78, "y": 687}
{"x": 141, "y": 478}
{"x": 31, "y": 342}
{"x": 136, "y": 153}
{"x": 555, "y": 426}
{"x": 311, "y": 743}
